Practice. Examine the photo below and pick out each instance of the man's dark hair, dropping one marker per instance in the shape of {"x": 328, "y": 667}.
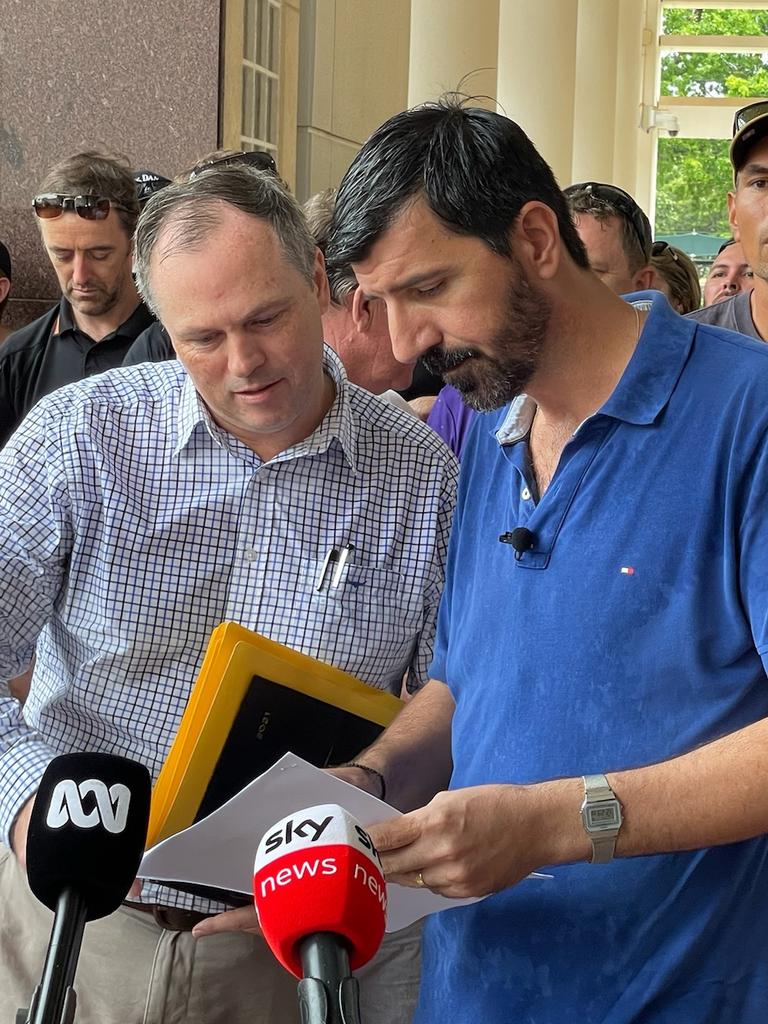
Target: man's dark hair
{"x": 474, "y": 168}
{"x": 97, "y": 174}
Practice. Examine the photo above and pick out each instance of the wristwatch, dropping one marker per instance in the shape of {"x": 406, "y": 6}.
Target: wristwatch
{"x": 601, "y": 816}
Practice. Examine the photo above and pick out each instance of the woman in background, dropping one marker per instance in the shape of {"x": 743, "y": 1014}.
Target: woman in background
{"x": 676, "y": 276}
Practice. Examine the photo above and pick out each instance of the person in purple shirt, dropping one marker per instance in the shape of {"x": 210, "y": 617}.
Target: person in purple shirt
{"x": 451, "y": 418}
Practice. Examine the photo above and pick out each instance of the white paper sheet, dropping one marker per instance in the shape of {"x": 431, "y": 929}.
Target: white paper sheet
{"x": 220, "y": 849}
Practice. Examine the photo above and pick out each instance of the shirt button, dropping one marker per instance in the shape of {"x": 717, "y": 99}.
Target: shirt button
{"x": 525, "y": 494}
{"x": 250, "y": 554}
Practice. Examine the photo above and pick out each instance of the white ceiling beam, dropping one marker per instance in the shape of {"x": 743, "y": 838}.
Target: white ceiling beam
{"x": 713, "y": 44}
{"x": 722, "y": 5}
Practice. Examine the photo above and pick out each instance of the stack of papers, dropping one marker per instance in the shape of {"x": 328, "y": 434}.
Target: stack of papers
{"x": 220, "y": 850}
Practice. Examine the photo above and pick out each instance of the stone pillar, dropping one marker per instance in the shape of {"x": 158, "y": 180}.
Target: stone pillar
{"x": 634, "y": 150}
{"x": 537, "y": 73}
{"x": 454, "y": 45}
{"x": 594, "y": 116}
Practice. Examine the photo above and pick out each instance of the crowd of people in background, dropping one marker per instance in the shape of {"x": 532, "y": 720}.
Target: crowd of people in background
{"x": 97, "y": 290}
{"x": 214, "y": 407}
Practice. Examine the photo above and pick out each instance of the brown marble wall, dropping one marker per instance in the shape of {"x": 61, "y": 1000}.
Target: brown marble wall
{"x": 137, "y": 77}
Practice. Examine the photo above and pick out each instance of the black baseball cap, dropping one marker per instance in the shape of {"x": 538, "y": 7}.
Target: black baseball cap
{"x": 147, "y": 183}
{"x": 750, "y": 124}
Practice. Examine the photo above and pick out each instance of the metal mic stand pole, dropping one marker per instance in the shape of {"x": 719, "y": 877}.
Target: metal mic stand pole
{"x": 54, "y": 998}
{"x": 328, "y": 993}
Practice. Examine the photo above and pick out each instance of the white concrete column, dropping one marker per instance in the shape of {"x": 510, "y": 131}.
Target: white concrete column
{"x": 594, "y": 115}
{"x": 537, "y": 71}
{"x": 454, "y": 45}
{"x": 634, "y": 150}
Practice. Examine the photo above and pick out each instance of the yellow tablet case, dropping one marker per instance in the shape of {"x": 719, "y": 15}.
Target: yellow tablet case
{"x": 253, "y": 700}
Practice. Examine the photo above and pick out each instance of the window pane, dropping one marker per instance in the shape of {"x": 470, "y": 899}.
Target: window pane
{"x": 697, "y": 21}
{"x": 262, "y": 49}
{"x": 249, "y": 29}
{"x": 713, "y": 74}
{"x": 261, "y": 106}
{"x": 274, "y": 38}
{"x": 249, "y": 103}
{"x": 272, "y": 119}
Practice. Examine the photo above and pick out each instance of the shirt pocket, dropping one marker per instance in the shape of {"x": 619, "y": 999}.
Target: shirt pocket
{"x": 367, "y": 625}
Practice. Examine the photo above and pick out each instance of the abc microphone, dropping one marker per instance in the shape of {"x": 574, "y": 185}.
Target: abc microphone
{"x": 85, "y": 840}
{"x": 321, "y": 898}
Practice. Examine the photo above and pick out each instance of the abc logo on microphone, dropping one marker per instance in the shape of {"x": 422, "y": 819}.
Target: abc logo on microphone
{"x": 69, "y": 800}
{"x": 318, "y": 871}
{"x": 87, "y": 830}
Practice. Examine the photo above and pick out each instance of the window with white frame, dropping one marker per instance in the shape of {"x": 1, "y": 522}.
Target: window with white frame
{"x": 260, "y": 114}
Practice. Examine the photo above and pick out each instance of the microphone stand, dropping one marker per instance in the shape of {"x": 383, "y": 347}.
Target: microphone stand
{"x": 54, "y": 999}
{"x": 328, "y": 993}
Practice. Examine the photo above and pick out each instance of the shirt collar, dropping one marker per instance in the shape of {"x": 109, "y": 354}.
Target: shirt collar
{"x": 648, "y": 380}
{"x": 336, "y": 425}
{"x": 653, "y": 371}
{"x": 138, "y": 321}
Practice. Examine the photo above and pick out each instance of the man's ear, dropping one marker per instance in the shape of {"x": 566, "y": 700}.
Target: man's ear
{"x": 320, "y": 282}
{"x": 362, "y": 314}
{"x": 5, "y": 287}
{"x": 644, "y": 279}
{"x": 732, "y": 216}
{"x": 536, "y": 234}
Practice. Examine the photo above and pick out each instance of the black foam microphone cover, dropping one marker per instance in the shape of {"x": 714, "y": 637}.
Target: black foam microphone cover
{"x": 87, "y": 830}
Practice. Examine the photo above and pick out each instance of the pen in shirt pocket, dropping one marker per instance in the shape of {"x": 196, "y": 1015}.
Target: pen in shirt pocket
{"x": 329, "y": 562}
{"x": 342, "y": 560}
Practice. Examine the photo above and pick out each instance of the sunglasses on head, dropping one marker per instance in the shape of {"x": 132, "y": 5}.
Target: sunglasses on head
{"x": 257, "y": 158}
{"x": 742, "y": 117}
{"x": 48, "y": 207}
{"x": 660, "y": 246}
{"x": 615, "y": 198}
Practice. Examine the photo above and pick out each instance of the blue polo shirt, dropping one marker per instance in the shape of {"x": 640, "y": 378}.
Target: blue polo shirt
{"x": 633, "y": 631}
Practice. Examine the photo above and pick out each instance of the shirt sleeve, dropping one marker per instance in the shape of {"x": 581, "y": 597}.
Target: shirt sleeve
{"x": 9, "y": 417}
{"x": 753, "y": 548}
{"x": 418, "y": 673}
{"x": 35, "y": 541}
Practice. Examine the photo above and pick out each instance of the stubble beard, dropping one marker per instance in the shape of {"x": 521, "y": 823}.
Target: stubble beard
{"x": 489, "y": 380}
{"x": 98, "y": 304}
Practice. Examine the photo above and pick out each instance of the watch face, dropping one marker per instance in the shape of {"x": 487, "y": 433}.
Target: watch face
{"x": 602, "y": 817}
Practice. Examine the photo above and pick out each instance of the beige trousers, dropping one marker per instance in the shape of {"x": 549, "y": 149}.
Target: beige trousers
{"x": 131, "y": 971}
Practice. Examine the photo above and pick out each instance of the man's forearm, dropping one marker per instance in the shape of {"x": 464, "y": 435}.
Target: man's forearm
{"x": 713, "y": 795}
{"x": 414, "y": 754}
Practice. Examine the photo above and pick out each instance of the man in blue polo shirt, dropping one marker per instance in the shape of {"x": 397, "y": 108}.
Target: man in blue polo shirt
{"x": 599, "y": 698}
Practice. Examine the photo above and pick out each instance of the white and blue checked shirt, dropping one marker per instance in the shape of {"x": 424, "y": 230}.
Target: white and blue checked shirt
{"x": 131, "y": 525}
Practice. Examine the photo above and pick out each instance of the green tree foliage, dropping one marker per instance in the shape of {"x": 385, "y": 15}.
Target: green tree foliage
{"x": 692, "y": 180}
{"x": 695, "y": 174}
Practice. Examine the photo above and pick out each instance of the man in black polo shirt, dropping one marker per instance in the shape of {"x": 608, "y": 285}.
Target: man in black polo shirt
{"x": 87, "y": 210}
{"x": 5, "y": 286}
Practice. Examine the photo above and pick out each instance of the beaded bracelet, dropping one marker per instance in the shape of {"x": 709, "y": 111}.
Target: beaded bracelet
{"x": 371, "y": 771}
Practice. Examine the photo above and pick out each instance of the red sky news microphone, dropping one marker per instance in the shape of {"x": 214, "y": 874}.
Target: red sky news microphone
{"x": 321, "y": 899}
{"x": 85, "y": 840}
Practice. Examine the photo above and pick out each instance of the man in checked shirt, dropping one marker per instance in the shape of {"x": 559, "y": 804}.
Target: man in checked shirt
{"x": 140, "y": 508}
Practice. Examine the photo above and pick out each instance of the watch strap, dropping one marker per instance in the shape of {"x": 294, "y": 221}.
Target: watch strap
{"x": 596, "y": 790}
